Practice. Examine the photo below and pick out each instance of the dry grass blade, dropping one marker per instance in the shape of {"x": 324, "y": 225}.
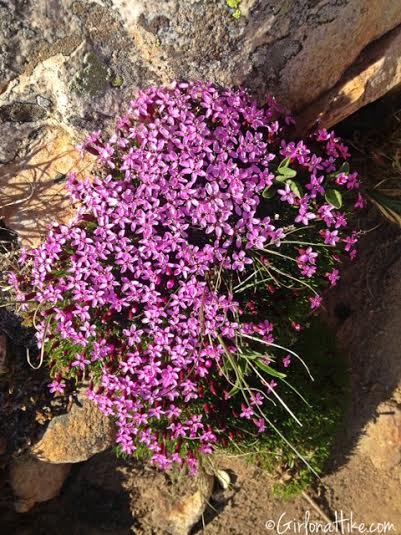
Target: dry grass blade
{"x": 388, "y": 202}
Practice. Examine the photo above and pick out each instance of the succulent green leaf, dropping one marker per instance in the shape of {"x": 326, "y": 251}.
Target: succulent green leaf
{"x": 334, "y": 198}
{"x": 344, "y": 168}
{"x": 284, "y": 163}
{"x": 287, "y": 172}
{"x": 268, "y": 193}
{"x": 295, "y": 188}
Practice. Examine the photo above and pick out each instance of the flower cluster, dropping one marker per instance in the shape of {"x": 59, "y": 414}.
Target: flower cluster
{"x": 194, "y": 256}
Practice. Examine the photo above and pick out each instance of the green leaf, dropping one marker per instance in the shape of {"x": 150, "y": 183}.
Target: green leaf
{"x": 238, "y": 386}
{"x": 295, "y": 188}
{"x": 281, "y": 178}
{"x": 268, "y": 193}
{"x": 287, "y": 172}
{"x": 334, "y": 198}
{"x": 233, "y": 4}
{"x": 237, "y": 14}
{"x": 268, "y": 369}
{"x": 284, "y": 164}
{"x": 252, "y": 355}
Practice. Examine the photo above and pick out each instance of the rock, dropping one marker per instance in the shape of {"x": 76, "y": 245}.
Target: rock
{"x": 382, "y": 439}
{"x": 177, "y": 516}
{"x": 377, "y": 72}
{"x": 223, "y": 478}
{"x": 76, "y": 436}
{"x": 33, "y": 191}
{"x": 73, "y": 66}
{"x": 277, "y": 46}
{"x": 22, "y": 112}
{"x": 34, "y": 481}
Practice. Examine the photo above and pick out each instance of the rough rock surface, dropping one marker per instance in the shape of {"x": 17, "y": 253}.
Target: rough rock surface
{"x": 76, "y": 436}
{"x": 33, "y": 185}
{"x": 34, "y": 481}
{"x": 167, "y": 503}
{"x": 280, "y": 46}
{"x": 75, "y": 62}
{"x": 179, "y": 515}
{"x": 72, "y": 65}
{"x": 376, "y": 72}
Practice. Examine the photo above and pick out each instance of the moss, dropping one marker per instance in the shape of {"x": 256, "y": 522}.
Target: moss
{"x": 116, "y": 80}
{"x": 234, "y": 6}
{"x": 93, "y": 78}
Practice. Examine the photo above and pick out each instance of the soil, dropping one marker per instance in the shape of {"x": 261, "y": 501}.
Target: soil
{"x": 107, "y": 495}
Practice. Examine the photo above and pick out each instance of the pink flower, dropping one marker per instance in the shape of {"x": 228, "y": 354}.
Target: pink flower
{"x": 333, "y": 276}
{"x": 246, "y": 412}
{"x": 360, "y": 202}
{"x": 330, "y": 237}
{"x": 260, "y": 424}
{"x": 271, "y": 385}
{"x": 286, "y": 195}
{"x": 342, "y": 179}
{"x": 57, "y": 386}
{"x": 304, "y": 216}
{"x": 178, "y": 256}
{"x": 307, "y": 256}
{"x": 350, "y": 241}
{"x": 315, "y": 186}
{"x": 315, "y": 302}
{"x": 80, "y": 362}
{"x": 257, "y": 399}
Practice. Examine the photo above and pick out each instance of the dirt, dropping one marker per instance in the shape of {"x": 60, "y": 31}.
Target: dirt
{"x": 107, "y": 495}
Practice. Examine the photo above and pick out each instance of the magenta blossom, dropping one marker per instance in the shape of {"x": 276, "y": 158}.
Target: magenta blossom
{"x": 203, "y": 241}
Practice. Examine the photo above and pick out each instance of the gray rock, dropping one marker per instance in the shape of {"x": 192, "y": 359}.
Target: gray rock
{"x": 88, "y": 58}
{"x": 22, "y": 112}
{"x": 76, "y": 64}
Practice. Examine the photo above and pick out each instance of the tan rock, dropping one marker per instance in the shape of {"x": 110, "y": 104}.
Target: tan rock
{"x": 34, "y": 481}
{"x": 377, "y": 72}
{"x": 178, "y": 516}
{"x": 76, "y": 436}
{"x": 382, "y": 439}
{"x": 33, "y": 192}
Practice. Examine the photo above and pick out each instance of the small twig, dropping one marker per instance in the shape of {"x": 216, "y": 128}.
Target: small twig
{"x": 315, "y": 506}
